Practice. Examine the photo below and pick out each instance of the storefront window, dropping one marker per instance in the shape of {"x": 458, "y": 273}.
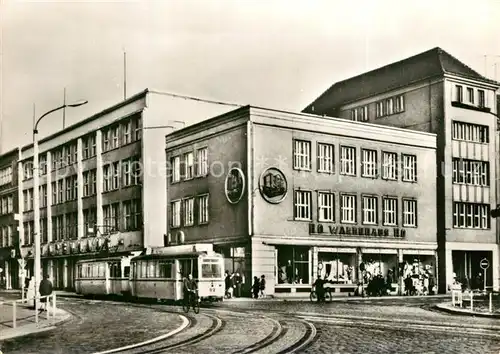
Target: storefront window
{"x": 337, "y": 268}
{"x": 418, "y": 272}
{"x": 384, "y": 265}
{"x": 234, "y": 259}
{"x": 293, "y": 265}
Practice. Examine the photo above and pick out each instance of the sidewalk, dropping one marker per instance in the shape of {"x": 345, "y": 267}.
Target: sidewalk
{"x": 25, "y": 318}
{"x": 448, "y": 307}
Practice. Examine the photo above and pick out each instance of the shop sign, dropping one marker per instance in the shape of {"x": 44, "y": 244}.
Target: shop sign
{"x": 317, "y": 229}
{"x": 273, "y": 185}
{"x": 235, "y": 185}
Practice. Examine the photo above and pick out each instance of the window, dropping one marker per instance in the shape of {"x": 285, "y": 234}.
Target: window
{"x": 471, "y": 216}
{"x": 10, "y": 202}
{"x": 470, "y": 95}
{"x": 71, "y": 226}
{"x": 471, "y": 172}
{"x": 71, "y": 188}
{"x": 370, "y": 210}
{"x": 137, "y": 128}
{"x": 348, "y": 160}
{"x": 409, "y": 168}
{"x": 481, "y": 98}
{"x": 470, "y": 132}
{"x": 132, "y": 215}
{"x": 326, "y": 158}
{"x": 89, "y": 221}
{"x": 390, "y": 211}
{"x": 390, "y": 165}
{"x": 106, "y": 134}
{"x": 28, "y": 200}
{"x": 127, "y": 132}
{"x": 28, "y": 232}
{"x": 58, "y": 227}
{"x": 127, "y": 178}
{"x": 188, "y": 165}
{"x": 369, "y": 163}
{"x": 176, "y": 169}
{"x": 114, "y": 137}
{"x": 89, "y": 146}
{"x": 409, "y": 213}
{"x": 399, "y": 104}
{"x": 111, "y": 217}
{"x": 107, "y": 177}
{"x": 175, "y": 213}
{"x": 348, "y": 209}
{"x": 303, "y": 205}
{"x": 116, "y": 175}
{"x": 293, "y": 265}
{"x": 43, "y": 196}
{"x": 136, "y": 167}
{"x": 360, "y": 114}
{"x": 459, "y": 93}
{"x": 203, "y": 209}
{"x": 301, "y": 155}
{"x": 202, "y": 162}
{"x": 390, "y": 106}
{"x": 188, "y": 211}
{"x": 379, "y": 109}
{"x": 27, "y": 169}
{"x": 326, "y": 207}
{"x": 60, "y": 191}
{"x": 42, "y": 165}
{"x": 5, "y": 175}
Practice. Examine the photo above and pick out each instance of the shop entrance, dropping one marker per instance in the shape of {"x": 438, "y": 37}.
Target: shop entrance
{"x": 467, "y": 269}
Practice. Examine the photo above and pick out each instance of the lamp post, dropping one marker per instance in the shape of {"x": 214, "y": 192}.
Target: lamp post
{"x": 36, "y": 196}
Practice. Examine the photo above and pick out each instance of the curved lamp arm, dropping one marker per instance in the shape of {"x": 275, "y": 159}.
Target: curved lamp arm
{"x": 76, "y": 104}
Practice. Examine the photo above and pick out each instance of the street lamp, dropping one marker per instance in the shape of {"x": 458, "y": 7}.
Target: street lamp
{"x": 36, "y": 195}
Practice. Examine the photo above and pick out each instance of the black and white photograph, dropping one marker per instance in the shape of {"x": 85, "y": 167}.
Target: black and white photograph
{"x": 249, "y": 176}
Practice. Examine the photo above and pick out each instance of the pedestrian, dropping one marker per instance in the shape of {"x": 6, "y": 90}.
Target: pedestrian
{"x": 263, "y": 286}
{"x": 256, "y": 287}
{"x": 228, "y": 284}
{"x": 319, "y": 287}
{"x": 237, "y": 284}
{"x": 45, "y": 290}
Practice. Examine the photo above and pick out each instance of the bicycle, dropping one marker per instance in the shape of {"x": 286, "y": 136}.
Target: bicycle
{"x": 194, "y": 302}
{"x": 327, "y": 296}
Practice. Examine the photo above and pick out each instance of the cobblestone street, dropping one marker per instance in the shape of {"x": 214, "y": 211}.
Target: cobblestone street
{"x": 367, "y": 326}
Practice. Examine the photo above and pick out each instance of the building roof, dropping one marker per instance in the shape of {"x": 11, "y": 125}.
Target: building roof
{"x": 432, "y": 63}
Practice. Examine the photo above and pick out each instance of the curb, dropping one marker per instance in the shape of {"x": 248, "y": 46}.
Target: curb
{"x": 27, "y": 330}
{"x": 338, "y": 298}
{"x": 447, "y": 307}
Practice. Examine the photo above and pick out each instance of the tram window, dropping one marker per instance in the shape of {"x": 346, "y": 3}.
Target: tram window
{"x": 152, "y": 269}
{"x": 144, "y": 265}
{"x": 211, "y": 270}
{"x": 188, "y": 266}
{"x": 79, "y": 271}
{"x": 115, "y": 270}
{"x": 101, "y": 271}
{"x": 165, "y": 269}
{"x": 126, "y": 271}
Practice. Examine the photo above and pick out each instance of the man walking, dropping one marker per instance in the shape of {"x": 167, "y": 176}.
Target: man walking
{"x": 45, "y": 290}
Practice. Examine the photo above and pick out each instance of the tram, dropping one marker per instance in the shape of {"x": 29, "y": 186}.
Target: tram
{"x": 158, "y": 273}
{"x": 103, "y": 276}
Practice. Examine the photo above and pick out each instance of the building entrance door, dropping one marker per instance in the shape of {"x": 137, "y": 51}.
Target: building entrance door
{"x": 466, "y": 266}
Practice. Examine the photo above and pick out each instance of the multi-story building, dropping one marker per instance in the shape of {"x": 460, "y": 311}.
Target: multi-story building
{"x": 9, "y": 241}
{"x": 292, "y": 196}
{"x": 435, "y": 92}
{"x": 99, "y": 183}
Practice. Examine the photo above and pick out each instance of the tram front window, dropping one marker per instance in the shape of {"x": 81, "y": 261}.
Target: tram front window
{"x": 211, "y": 270}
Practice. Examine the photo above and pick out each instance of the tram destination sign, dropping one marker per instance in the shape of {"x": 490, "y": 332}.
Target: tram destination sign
{"x": 337, "y": 230}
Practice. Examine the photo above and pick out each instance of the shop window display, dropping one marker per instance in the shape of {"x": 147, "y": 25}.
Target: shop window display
{"x": 293, "y": 265}
{"x": 418, "y": 275}
{"x": 337, "y": 268}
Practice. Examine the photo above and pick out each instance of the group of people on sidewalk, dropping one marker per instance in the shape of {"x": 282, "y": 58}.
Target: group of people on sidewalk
{"x": 234, "y": 285}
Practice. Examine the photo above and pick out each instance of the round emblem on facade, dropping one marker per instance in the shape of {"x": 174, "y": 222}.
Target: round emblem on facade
{"x": 273, "y": 185}
{"x": 235, "y": 185}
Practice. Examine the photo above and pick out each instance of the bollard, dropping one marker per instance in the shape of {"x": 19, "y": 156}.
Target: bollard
{"x": 14, "y": 314}
{"x": 471, "y": 301}
{"x": 47, "y": 307}
{"x": 491, "y": 302}
{"x": 36, "y": 310}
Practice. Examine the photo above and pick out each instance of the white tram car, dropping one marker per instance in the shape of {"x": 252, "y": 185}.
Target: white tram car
{"x": 157, "y": 274}
{"x": 104, "y": 276}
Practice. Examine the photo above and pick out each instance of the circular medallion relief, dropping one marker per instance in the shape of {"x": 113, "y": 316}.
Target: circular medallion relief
{"x": 235, "y": 185}
{"x": 273, "y": 185}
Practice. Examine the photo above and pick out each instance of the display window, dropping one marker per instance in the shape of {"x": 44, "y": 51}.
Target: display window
{"x": 293, "y": 265}
{"x": 337, "y": 267}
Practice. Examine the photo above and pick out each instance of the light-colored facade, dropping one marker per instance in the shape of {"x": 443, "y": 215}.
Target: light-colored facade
{"x": 434, "y": 92}
{"x": 293, "y": 196}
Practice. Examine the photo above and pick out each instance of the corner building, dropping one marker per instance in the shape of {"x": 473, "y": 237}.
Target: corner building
{"x": 435, "y": 92}
{"x": 99, "y": 183}
{"x": 293, "y": 196}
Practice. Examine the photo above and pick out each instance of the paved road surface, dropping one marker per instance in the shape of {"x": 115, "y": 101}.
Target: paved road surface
{"x": 374, "y": 326}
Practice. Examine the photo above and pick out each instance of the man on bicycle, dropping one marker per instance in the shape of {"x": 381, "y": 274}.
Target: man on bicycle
{"x": 319, "y": 286}
{"x": 189, "y": 288}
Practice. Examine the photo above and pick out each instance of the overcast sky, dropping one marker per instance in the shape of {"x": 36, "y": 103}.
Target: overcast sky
{"x": 276, "y": 54}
